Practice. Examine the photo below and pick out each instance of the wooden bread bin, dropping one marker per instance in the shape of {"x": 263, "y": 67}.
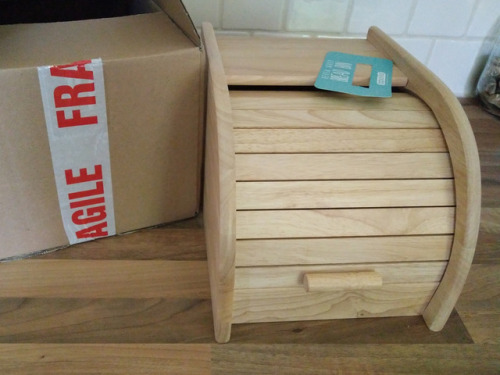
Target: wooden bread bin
{"x": 321, "y": 205}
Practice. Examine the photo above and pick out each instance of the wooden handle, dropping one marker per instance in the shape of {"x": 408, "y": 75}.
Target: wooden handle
{"x": 322, "y": 282}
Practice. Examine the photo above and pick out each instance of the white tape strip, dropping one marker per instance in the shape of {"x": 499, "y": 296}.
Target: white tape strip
{"x": 75, "y": 114}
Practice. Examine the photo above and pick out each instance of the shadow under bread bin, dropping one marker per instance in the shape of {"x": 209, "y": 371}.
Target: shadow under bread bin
{"x": 321, "y": 205}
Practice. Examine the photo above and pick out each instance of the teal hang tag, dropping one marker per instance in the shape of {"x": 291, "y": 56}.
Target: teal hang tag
{"x": 337, "y": 73}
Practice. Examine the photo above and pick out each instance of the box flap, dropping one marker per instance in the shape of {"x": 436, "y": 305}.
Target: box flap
{"x": 179, "y": 15}
{"x": 111, "y": 39}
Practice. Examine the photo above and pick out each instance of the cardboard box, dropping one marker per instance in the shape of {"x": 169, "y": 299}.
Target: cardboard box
{"x": 153, "y": 71}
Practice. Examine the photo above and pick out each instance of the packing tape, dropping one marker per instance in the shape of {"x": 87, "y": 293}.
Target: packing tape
{"x": 74, "y": 104}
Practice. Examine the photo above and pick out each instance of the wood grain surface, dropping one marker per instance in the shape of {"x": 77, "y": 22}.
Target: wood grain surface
{"x": 112, "y": 359}
{"x": 344, "y": 222}
{"x": 219, "y": 189}
{"x": 321, "y": 100}
{"x": 174, "y": 334}
{"x": 342, "y": 250}
{"x": 338, "y": 140}
{"x": 285, "y": 304}
{"x": 278, "y": 167}
{"x": 343, "y": 194}
{"x": 334, "y": 118}
{"x": 466, "y": 170}
{"x": 105, "y": 278}
{"x": 278, "y": 61}
{"x": 356, "y": 359}
{"x": 292, "y": 276}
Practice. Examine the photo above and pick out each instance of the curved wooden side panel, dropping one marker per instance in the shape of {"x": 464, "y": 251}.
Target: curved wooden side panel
{"x": 219, "y": 191}
{"x": 465, "y": 161}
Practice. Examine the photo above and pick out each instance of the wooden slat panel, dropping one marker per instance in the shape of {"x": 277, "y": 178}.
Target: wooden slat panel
{"x": 285, "y": 304}
{"x": 292, "y": 276}
{"x": 104, "y": 279}
{"x": 344, "y": 222}
{"x": 351, "y": 119}
{"x": 338, "y": 140}
{"x": 109, "y": 359}
{"x": 323, "y": 100}
{"x": 343, "y": 194}
{"x": 284, "y": 61}
{"x": 342, "y": 250}
{"x": 258, "y": 167}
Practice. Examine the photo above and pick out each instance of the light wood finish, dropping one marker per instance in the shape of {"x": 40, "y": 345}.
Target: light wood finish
{"x": 278, "y": 61}
{"x": 324, "y": 282}
{"x": 259, "y": 157}
{"x": 276, "y": 167}
{"x": 285, "y": 173}
{"x": 292, "y": 276}
{"x": 111, "y": 359}
{"x": 285, "y": 304}
{"x": 331, "y": 119}
{"x": 158, "y": 335}
{"x": 342, "y": 250}
{"x": 465, "y": 160}
{"x": 337, "y": 140}
{"x": 104, "y": 279}
{"x": 343, "y": 194}
{"x": 321, "y": 100}
{"x": 219, "y": 192}
{"x": 344, "y": 222}
{"x": 289, "y": 157}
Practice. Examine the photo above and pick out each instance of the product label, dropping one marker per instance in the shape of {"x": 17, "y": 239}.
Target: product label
{"x": 75, "y": 115}
{"x": 337, "y": 73}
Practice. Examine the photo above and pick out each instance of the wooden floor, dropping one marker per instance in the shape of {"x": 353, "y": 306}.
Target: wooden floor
{"x": 140, "y": 304}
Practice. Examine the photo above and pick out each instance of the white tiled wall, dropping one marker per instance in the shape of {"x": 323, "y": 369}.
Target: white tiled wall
{"x": 251, "y": 14}
{"x": 452, "y": 37}
{"x": 325, "y": 16}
